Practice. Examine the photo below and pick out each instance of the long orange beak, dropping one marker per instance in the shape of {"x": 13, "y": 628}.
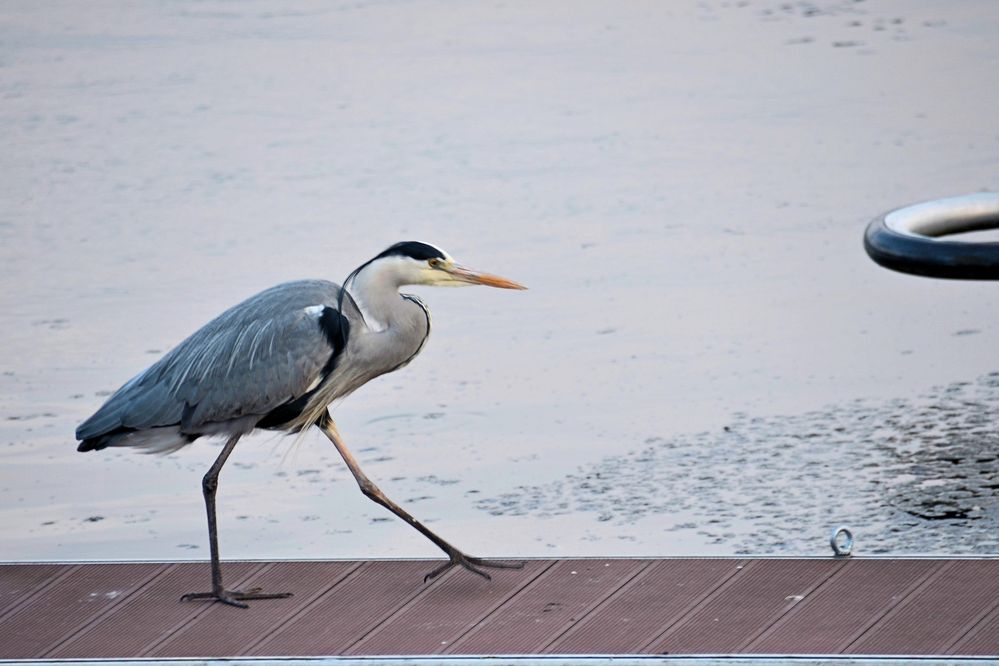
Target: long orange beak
{"x": 475, "y": 277}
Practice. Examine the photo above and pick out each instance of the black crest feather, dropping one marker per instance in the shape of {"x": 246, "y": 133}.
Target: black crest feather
{"x": 413, "y": 250}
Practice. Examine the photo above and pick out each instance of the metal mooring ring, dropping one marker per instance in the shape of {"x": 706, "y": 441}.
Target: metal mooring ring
{"x": 847, "y": 546}
{"x": 907, "y": 239}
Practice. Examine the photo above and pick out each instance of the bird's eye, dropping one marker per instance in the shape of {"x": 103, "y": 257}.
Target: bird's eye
{"x": 434, "y": 263}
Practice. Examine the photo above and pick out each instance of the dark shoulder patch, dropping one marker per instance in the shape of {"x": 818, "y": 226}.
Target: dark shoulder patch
{"x": 413, "y": 250}
{"x": 336, "y": 330}
{"x": 335, "y": 327}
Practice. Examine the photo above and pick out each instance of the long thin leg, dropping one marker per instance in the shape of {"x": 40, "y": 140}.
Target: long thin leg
{"x": 209, "y": 486}
{"x": 455, "y": 556}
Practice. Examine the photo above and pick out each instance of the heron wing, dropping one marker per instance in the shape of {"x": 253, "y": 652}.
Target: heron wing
{"x": 251, "y": 359}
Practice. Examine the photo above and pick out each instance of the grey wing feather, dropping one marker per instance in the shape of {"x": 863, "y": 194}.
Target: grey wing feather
{"x": 254, "y": 357}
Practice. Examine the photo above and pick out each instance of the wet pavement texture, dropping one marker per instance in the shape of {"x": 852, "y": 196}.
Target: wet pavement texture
{"x": 907, "y": 475}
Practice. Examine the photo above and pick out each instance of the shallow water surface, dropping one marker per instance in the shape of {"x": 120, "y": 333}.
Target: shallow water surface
{"x": 706, "y": 362}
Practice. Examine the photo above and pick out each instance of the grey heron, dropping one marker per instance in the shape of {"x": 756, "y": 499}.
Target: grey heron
{"x": 277, "y": 361}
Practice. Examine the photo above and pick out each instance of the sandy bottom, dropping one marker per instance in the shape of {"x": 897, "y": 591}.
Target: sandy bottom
{"x": 706, "y": 361}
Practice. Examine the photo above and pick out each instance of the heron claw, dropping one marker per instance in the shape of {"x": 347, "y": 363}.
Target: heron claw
{"x": 457, "y": 558}
{"x": 234, "y": 597}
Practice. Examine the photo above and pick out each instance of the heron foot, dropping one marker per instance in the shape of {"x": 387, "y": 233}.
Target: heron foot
{"x": 473, "y": 564}
{"x": 234, "y": 597}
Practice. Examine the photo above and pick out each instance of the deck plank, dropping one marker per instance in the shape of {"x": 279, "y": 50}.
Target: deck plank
{"x": 835, "y": 615}
{"x": 608, "y": 606}
{"x": 756, "y": 598}
{"x": 68, "y": 606}
{"x": 226, "y": 631}
{"x": 982, "y": 639}
{"x": 143, "y": 620}
{"x": 548, "y": 608}
{"x": 936, "y": 615}
{"x": 23, "y": 581}
{"x": 346, "y": 613}
{"x": 433, "y": 620}
{"x": 645, "y": 607}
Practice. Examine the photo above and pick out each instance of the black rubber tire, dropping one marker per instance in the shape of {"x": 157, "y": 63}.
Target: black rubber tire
{"x": 919, "y": 254}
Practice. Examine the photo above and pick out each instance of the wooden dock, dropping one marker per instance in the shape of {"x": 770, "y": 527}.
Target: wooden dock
{"x": 676, "y": 606}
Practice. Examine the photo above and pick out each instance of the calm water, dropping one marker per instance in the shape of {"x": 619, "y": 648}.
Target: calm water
{"x": 706, "y": 361}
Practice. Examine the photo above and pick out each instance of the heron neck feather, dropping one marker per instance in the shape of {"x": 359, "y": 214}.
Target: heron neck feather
{"x": 375, "y": 290}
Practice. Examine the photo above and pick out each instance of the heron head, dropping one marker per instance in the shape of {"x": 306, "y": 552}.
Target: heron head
{"x": 414, "y": 262}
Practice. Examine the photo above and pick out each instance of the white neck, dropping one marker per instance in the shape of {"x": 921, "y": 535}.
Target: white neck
{"x": 375, "y": 289}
